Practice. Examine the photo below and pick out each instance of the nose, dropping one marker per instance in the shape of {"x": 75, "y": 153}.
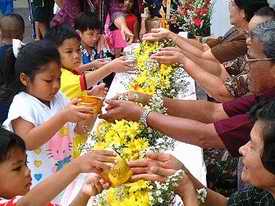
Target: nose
{"x": 243, "y": 149}
{"x": 76, "y": 55}
{"x": 27, "y": 172}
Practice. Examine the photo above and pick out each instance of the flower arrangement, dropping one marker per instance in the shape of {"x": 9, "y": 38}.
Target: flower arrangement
{"x": 193, "y": 16}
{"x": 131, "y": 140}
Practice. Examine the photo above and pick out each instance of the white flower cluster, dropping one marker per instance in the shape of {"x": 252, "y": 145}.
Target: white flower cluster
{"x": 163, "y": 193}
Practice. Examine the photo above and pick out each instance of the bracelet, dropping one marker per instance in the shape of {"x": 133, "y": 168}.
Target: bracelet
{"x": 144, "y": 116}
{"x": 202, "y": 195}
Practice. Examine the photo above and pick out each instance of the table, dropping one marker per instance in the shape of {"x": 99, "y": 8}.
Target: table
{"x": 190, "y": 155}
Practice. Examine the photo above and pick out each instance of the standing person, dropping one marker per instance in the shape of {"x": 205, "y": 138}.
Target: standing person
{"x": 42, "y": 13}
{"x": 6, "y": 7}
{"x": 48, "y": 121}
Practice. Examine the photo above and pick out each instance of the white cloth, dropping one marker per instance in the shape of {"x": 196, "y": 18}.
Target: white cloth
{"x": 54, "y": 154}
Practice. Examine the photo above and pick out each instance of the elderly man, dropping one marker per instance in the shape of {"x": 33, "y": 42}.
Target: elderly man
{"x": 259, "y": 167}
{"x": 207, "y": 124}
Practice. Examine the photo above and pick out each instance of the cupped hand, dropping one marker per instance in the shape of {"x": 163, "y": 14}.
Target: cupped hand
{"x": 168, "y": 56}
{"x": 120, "y": 65}
{"x": 157, "y": 34}
{"x": 98, "y": 90}
{"x": 118, "y": 109}
{"x": 94, "y": 185}
{"x": 134, "y": 97}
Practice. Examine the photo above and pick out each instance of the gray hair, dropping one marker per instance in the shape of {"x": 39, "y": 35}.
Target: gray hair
{"x": 265, "y": 33}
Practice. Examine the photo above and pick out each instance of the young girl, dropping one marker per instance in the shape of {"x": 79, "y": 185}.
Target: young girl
{"x": 39, "y": 113}
{"x": 15, "y": 176}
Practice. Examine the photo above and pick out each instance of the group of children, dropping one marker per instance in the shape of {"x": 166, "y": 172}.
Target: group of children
{"x": 39, "y": 102}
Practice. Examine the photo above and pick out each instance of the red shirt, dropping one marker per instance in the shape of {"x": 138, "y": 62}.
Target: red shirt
{"x": 235, "y": 131}
{"x": 13, "y": 201}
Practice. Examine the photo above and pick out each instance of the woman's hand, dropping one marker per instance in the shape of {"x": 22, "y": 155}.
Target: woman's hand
{"x": 169, "y": 55}
{"x": 157, "y": 34}
{"x": 118, "y": 109}
{"x": 134, "y": 97}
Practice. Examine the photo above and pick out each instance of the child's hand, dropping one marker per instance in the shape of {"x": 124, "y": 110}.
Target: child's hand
{"x": 94, "y": 185}
{"x": 95, "y": 161}
{"x": 76, "y": 113}
{"x": 98, "y": 90}
{"x": 120, "y": 65}
{"x": 98, "y": 63}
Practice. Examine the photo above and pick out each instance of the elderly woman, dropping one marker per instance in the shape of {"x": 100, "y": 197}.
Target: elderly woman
{"x": 206, "y": 124}
{"x": 259, "y": 168}
{"x": 216, "y": 69}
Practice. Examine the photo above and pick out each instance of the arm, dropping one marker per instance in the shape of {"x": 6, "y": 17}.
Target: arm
{"x": 186, "y": 130}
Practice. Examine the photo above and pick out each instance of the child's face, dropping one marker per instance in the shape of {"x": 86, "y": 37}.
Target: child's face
{"x": 90, "y": 37}
{"x": 70, "y": 54}
{"x": 15, "y": 176}
{"x": 45, "y": 84}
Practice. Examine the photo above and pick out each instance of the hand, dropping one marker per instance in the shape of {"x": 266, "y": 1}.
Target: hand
{"x": 120, "y": 65}
{"x": 96, "y": 64}
{"x": 94, "y": 185}
{"x": 95, "y": 161}
{"x": 76, "y": 113}
{"x": 127, "y": 35}
{"x": 157, "y": 34}
{"x": 117, "y": 110}
{"x": 134, "y": 97}
{"x": 169, "y": 55}
{"x": 98, "y": 90}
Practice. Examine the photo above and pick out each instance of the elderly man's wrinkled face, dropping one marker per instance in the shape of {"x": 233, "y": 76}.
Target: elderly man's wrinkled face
{"x": 254, "y": 172}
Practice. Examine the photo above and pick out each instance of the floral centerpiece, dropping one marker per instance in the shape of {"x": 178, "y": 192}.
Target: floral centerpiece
{"x": 131, "y": 140}
{"x": 193, "y": 16}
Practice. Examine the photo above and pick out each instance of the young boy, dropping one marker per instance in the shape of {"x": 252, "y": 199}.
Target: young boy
{"x": 15, "y": 177}
{"x": 94, "y": 47}
{"x": 11, "y": 27}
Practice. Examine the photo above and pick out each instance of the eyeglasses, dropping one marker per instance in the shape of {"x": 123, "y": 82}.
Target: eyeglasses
{"x": 249, "y": 59}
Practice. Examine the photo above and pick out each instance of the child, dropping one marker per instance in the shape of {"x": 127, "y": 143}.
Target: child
{"x": 15, "y": 176}
{"x": 11, "y": 27}
{"x": 93, "y": 44}
{"x": 39, "y": 113}
{"x": 74, "y": 80}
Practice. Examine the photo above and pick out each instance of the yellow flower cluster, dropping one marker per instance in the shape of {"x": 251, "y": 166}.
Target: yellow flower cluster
{"x": 153, "y": 78}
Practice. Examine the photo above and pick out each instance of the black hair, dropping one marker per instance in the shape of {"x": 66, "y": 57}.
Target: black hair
{"x": 12, "y": 26}
{"x": 30, "y": 59}
{"x": 265, "y": 112}
{"x": 59, "y": 34}
{"x": 87, "y": 21}
{"x": 265, "y": 12}
{"x": 250, "y": 7}
{"x": 8, "y": 142}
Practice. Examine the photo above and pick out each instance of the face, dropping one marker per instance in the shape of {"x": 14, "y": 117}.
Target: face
{"x": 70, "y": 54}
{"x": 45, "y": 84}
{"x": 254, "y": 172}
{"x": 90, "y": 37}
{"x": 15, "y": 176}
{"x": 236, "y": 14}
{"x": 128, "y": 4}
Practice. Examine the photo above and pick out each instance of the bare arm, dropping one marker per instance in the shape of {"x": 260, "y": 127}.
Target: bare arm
{"x": 186, "y": 130}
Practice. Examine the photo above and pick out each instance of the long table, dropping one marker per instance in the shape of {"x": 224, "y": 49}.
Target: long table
{"x": 190, "y": 155}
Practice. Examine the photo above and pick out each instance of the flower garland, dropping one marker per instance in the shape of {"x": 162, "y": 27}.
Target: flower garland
{"x": 131, "y": 140}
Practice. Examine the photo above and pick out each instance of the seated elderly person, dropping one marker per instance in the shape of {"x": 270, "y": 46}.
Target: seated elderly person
{"x": 221, "y": 81}
{"x": 259, "y": 167}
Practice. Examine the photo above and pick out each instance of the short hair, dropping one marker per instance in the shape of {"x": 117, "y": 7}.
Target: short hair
{"x": 8, "y": 142}
{"x": 12, "y": 26}
{"x": 59, "y": 34}
{"x": 265, "y": 33}
{"x": 266, "y": 12}
{"x": 265, "y": 112}
{"x": 250, "y": 7}
{"x": 87, "y": 21}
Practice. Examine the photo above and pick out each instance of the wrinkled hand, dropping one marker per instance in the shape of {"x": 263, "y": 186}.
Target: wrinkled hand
{"x": 134, "y": 97}
{"x": 157, "y": 34}
{"x": 76, "y": 113}
{"x": 94, "y": 185}
{"x": 118, "y": 109}
{"x": 169, "y": 55}
{"x": 95, "y": 161}
{"x": 156, "y": 167}
{"x": 120, "y": 65}
{"x": 98, "y": 90}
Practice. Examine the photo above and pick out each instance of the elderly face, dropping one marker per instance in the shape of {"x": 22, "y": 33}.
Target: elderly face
{"x": 236, "y": 14}
{"x": 254, "y": 172}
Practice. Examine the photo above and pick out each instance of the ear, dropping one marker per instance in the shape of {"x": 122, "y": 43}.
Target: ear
{"x": 24, "y": 79}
